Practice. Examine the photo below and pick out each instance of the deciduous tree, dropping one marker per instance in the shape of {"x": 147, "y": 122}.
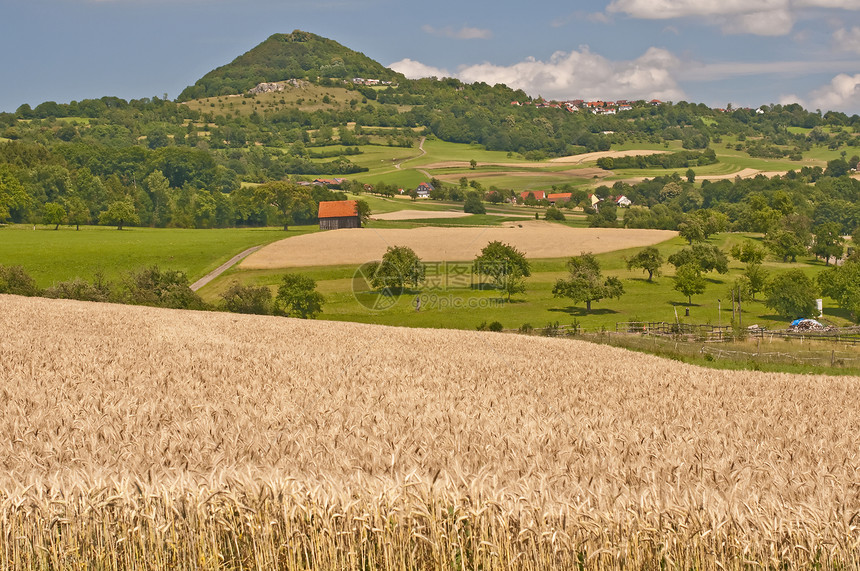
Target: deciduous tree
{"x": 505, "y": 267}
{"x": 400, "y": 266}
{"x": 297, "y": 297}
{"x": 689, "y": 281}
{"x": 586, "y": 282}
{"x": 119, "y": 214}
{"x": 842, "y": 283}
{"x": 791, "y": 294}
{"x": 649, "y": 259}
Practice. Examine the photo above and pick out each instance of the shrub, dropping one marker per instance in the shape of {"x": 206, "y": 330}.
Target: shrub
{"x": 255, "y": 300}
{"x": 16, "y": 281}
{"x": 82, "y": 290}
{"x": 553, "y": 213}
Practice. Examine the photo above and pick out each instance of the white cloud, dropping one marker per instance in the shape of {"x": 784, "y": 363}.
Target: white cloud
{"x": 759, "y": 17}
{"x": 586, "y": 75}
{"x": 465, "y": 33}
{"x": 848, "y": 40}
{"x": 842, "y": 93}
{"x": 415, "y": 69}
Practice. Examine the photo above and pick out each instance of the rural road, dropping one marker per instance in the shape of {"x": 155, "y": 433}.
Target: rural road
{"x": 420, "y": 148}
{"x": 223, "y": 268}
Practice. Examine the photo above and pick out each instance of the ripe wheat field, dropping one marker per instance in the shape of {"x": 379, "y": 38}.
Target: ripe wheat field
{"x": 535, "y": 238}
{"x": 139, "y": 438}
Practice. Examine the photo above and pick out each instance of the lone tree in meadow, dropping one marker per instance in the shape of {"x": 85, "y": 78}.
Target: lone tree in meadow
{"x": 119, "y": 214}
{"x": 689, "y": 281}
{"x": 649, "y": 259}
{"x": 297, "y": 297}
{"x": 706, "y": 257}
{"x": 586, "y": 282}
{"x": 748, "y": 252}
{"x": 504, "y": 266}
{"x": 400, "y": 266}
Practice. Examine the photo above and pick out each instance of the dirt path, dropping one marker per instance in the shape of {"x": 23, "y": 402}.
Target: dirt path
{"x": 223, "y": 268}
{"x": 420, "y": 148}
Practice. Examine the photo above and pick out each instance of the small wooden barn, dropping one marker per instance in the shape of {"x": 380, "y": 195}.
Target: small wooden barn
{"x": 336, "y": 214}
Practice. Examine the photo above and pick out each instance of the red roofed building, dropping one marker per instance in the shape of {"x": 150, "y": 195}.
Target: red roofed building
{"x": 559, "y": 197}
{"x": 538, "y": 194}
{"x": 337, "y": 214}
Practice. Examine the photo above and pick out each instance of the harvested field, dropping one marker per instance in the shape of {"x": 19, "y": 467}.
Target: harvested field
{"x": 146, "y": 438}
{"x": 743, "y": 173}
{"x": 537, "y": 239}
{"x": 419, "y": 215}
{"x": 592, "y": 157}
{"x": 572, "y": 159}
{"x": 586, "y": 172}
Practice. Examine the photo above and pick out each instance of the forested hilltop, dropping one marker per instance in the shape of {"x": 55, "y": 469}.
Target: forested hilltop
{"x": 195, "y": 164}
{"x": 299, "y": 55}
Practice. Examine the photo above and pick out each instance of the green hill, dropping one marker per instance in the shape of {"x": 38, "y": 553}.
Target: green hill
{"x": 299, "y": 55}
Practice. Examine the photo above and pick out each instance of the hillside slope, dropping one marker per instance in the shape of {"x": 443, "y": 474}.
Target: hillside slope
{"x": 269, "y": 441}
{"x": 297, "y": 55}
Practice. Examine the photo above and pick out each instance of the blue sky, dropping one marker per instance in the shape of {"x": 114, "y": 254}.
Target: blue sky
{"x": 744, "y": 52}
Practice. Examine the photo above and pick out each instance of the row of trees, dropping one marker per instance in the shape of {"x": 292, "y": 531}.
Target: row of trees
{"x": 503, "y": 267}
{"x": 83, "y": 198}
{"x": 152, "y": 286}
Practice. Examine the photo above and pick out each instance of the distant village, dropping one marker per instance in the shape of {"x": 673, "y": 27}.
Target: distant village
{"x": 602, "y": 107}
{"x": 532, "y": 197}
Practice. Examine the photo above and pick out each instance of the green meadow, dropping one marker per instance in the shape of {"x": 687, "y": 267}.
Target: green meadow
{"x": 51, "y": 256}
{"x": 453, "y": 298}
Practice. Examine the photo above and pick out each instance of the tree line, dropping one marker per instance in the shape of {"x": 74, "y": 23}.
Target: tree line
{"x": 296, "y": 295}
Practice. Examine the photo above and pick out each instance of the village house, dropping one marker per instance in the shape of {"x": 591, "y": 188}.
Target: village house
{"x": 337, "y": 214}
{"x": 559, "y": 197}
{"x": 329, "y": 182}
{"x": 538, "y": 195}
{"x": 424, "y": 189}
{"x": 623, "y": 201}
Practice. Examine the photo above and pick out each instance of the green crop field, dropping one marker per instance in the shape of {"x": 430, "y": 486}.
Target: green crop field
{"x": 51, "y": 256}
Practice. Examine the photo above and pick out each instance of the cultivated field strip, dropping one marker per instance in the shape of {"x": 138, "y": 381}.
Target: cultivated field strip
{"x": 536, "y": 239}
{"x": 139, "y": 438}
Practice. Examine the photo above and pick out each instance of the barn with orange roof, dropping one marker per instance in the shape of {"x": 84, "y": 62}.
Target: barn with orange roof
{"x": 337, "y": 214}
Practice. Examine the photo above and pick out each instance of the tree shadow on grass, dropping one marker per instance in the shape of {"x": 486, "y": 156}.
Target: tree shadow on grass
{"x": 644, "y": 281}
{"x": 683, "y": 304}
{"x": 582, "y": 312}
{"x": 505, "y": 300}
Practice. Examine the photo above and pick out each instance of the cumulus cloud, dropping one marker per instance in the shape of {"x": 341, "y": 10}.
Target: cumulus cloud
{"x": 586, "y": 75}
{"x": 415, "y": 69}
{"x": 842, "y": 93}
{"x": 759, "y": 17}
{"x": 465, "y": 33}
{"x": 848, "y": 40}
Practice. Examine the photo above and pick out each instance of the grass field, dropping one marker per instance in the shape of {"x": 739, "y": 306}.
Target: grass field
{"x": 51, "y": 256}
{"x": 450, "y": 161}
{"x": 144, "y": 438}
